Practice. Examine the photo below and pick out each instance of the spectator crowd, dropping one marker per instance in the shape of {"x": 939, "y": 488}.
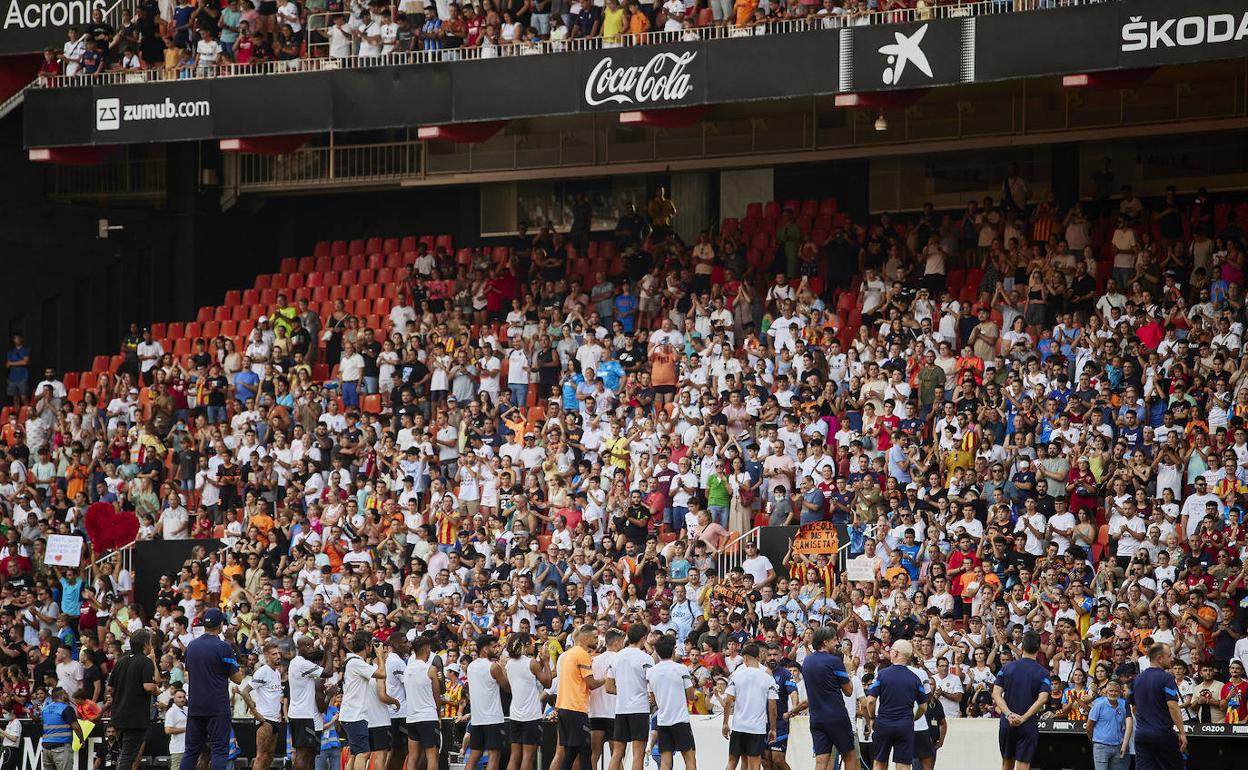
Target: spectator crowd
{"x": 1023, "y": 416}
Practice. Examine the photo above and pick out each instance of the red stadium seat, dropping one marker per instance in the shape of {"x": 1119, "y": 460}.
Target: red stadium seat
{"x": 209, "y": 329}
{"x": 390, "y": 246}
{"x": 356, "y": 262}
{"x": 158, "y": 329}
{"x": 338, "y": 249}
{"x": 372, "y": 245}
{"x": 263, "y": 281}
{"x": 408, "y": 244}
{"x": 322, "y": 264}
{"x": 177, "y": 330}
{"x": 443, "y": 242}
{"x": 321, "y": 249}
{"x": 232, "y": 298}
{"x": 289, "y": 265}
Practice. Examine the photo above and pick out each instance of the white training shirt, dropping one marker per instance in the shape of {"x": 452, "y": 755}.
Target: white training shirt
{"x": 266, "y": 684}
{"x": 357, "y": 683}
{"x": 303, "y": 674}
{"x": 421, "y": 706}
{"x": 487, "y": 701}
{"x": 753, "y": 689}
{"x": 601, "y": 702}
{"x": 526, "y": 691}
{"x": 629, "y": 672}
{"x": 395, "y": 666}
{"x": 667, "y": 680}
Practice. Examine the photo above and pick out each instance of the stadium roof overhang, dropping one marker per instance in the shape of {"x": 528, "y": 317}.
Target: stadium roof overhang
{"x": 1134, "y": 35}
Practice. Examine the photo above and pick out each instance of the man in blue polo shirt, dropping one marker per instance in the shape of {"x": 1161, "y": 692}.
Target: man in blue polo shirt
{"x": 210, "y": 667}
{"x": 1021, "y": 692}
{"x": 1157, "y": 714}
{"x": 895, "y": 692}
{"x": 827, "y": 684}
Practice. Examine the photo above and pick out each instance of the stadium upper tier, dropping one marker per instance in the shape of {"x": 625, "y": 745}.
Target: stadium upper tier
{"x": 317, "y": 50}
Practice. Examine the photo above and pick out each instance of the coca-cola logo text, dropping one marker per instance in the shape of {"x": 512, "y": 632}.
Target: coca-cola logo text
{"x": 662, "y": 79}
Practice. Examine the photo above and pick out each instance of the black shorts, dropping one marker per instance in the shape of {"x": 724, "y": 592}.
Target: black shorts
{"x": 267, "y": 8}
{"x": 486, "y": 737}
{"x": 1019, "y": 743}
{"x": 425, "y": 733}
{"x": 379, "y": 738}
{"x": 601, "y": 725}
{"x": 827, "y": 736}
{"x": 525, "y": 733}
{"x": 746, "y": 744}
{"x": 923, "y": 746}
{"x": 304, "y": 735}
{"x": 631, "y": 727}
{"x": 573, "y": 728}
{"x": 677, "y": 737}
{"x": 398, "y": 733}
{"x": 895, "y": 740}
{"x": 665, "y": 389}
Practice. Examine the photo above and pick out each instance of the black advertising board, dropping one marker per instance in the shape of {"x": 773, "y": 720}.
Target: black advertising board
{"x": 643, "y": 77}
{"x": 616, "y": 79}
{"x": 1153, "y": 32}
{"x": 1018, "y": 45}
{"x": 29, "y": 26}
{"x": 1132, "y": 34}
{"x": 918, "y": 55}
{"x": 746, "y": 68}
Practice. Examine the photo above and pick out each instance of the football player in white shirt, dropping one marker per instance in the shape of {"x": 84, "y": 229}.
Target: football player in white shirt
{"x": 602, "y": 707}
{"x": 423, "y": 684}
{"x": 671, "y": 684}
{"x": 753, "y": 695}
{"x": 266, "y": 706}
{"x": 396, "y": 663}
{"x": 627, "y": 679}
{"x": 529, "y": 677}
{"x": 305, "y": 674}
{"x": 486, "y": 680}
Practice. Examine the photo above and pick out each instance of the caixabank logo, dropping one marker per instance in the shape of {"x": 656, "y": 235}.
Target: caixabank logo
{"x": 111, "y": 114}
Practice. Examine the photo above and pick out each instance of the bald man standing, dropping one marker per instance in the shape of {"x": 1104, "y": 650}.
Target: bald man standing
{"x": 896, "y": 693}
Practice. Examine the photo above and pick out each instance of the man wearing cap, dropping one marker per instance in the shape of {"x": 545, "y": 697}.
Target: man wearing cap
{"x": 210, "y": 666}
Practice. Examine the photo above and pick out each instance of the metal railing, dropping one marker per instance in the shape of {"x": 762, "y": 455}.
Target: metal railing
{"x": 733, "y": 552}
{"x": 330, "y": 164}
{"x": 125, "y": 178}
{"x": 121, "y": 558}
{"x": 318, "y": 59}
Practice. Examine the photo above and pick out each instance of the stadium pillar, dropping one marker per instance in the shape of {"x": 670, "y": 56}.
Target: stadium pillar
{"x": 182, "y": 183}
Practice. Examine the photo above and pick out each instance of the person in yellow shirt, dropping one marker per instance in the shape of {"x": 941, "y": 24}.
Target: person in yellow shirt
{"x": 613, "y": 22}
{"x": 661, "y": 211}
{"x": 576, "y": 679}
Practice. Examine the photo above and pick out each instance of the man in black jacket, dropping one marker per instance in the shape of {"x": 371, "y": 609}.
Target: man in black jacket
{"x": 133, "y": 683}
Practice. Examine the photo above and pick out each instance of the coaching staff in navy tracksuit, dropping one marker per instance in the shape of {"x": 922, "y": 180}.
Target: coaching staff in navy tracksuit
{"x": 210, "y": 667}
{"x": 895, "y": 692}
{"x": 1157, "y": 714}
{"x": 1020, "y": 692}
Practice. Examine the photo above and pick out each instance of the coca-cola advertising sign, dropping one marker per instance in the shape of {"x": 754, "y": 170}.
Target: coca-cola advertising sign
{"x": 662, "y": 79}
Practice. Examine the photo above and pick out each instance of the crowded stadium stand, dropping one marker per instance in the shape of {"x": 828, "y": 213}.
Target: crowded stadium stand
{"x": 483, "y": 372}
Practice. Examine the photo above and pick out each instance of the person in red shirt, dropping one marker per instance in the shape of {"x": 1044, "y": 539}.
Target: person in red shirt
{"x": 1234, "y": 697}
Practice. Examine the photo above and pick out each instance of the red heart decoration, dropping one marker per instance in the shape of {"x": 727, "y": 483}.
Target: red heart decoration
{"x": 108, "y": 528}
{"x": 58, "y": 557}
